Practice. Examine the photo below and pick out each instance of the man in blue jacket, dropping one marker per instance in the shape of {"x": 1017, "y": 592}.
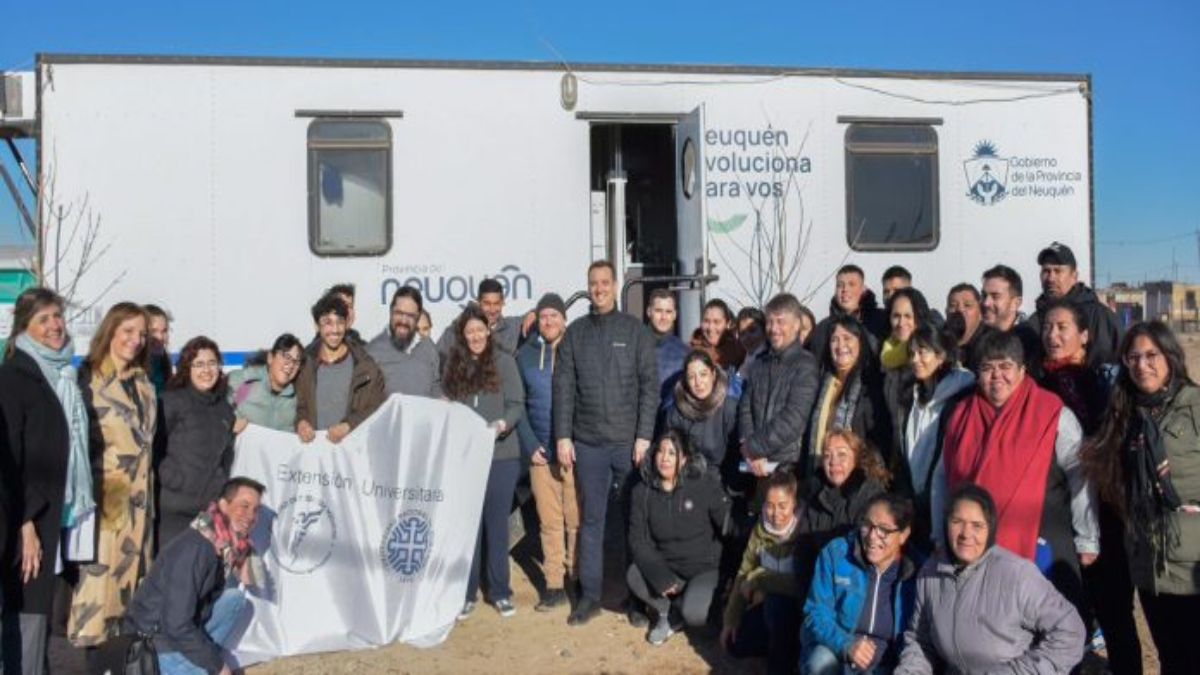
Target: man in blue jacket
{"x": 605, "y": 402}
{"x": 552, "y": 484}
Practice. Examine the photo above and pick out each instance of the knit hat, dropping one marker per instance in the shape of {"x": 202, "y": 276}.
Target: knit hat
{"x": 552, "y": 301}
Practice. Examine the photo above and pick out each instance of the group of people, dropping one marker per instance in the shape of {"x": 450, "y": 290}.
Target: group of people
{"x": 889, "y": 489}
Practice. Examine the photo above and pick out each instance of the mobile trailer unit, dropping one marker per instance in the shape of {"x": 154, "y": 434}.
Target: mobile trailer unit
{"x": 233, "y": 191}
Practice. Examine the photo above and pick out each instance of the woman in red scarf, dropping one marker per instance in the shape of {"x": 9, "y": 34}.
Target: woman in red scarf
{"x": 1019, "y": 442}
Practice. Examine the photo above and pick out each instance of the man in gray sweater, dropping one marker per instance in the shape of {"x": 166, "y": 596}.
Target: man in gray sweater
{"x": 409, "y": 362}
{"x": 605, "y": 399}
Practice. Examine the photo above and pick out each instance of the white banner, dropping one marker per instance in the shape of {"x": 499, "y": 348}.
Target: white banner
{"x": 369, "y": 541}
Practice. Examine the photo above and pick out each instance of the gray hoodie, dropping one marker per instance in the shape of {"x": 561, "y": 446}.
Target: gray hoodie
{"x": 998, "y": 615}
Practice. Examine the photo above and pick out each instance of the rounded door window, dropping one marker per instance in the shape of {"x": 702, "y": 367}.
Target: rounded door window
{"x": 687, "y": 168}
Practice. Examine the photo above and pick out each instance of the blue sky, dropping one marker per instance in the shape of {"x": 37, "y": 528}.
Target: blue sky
{"x": 1144, "y": 58}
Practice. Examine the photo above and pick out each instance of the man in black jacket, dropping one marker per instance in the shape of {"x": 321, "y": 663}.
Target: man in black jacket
{"x": 1060, "y": 281}
{"x": 185, "y": 602}
{"x": 605, "y": 401}
{"x": 854, "y": 298}
{"x": 780, "y": 391}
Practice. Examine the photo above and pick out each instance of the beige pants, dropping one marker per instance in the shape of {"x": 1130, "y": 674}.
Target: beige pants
{"x": 558, "y": 511}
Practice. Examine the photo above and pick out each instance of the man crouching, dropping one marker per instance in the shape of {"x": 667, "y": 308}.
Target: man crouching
{"x": 191, "y": 599}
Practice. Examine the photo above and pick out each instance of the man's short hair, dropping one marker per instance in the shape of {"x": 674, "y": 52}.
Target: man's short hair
{"x": 411, "y": 293}
{"x": 964, "y": 287}
{"x": 897, "y": 272}
{"x": 597, "y": 264}
{"x": 1008, "y": 274}
{"x": 342, "y": 289}
{"x": 785, "y": 303}
{"x": 156, "y": 312}
{"x": 231, "y": 487}
{"x": 660, "y": 294}
{"x": 851, "y": 269}
{"x": 752, "y": 314}
{"x": 489, "y": 286}
{"x": 330, "y": 303}
{"x": 1000, "y": 345}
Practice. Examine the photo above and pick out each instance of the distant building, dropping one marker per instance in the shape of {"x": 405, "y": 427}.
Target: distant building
{"x": 1128, "y": 302}
{"x": 1173, "y": 302}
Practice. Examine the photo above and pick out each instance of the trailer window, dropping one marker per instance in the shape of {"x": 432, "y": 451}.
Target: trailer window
{"x": 891, "y": 187}
{"x": 349, "y": 187}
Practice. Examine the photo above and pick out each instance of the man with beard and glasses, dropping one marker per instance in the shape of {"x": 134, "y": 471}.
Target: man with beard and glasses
{"x": 410, "y": 362}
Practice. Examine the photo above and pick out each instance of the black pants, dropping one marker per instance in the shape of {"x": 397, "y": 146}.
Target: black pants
{"x": 1110, "y": 592}
{"x": 1172, "y": 620}
{"x": 693, "y": 602}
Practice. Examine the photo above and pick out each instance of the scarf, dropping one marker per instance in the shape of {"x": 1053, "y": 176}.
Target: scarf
{"x": 56, "y": 367}
{"x": 834, "y": 414}
{"x": 696, "y": 409}
{"x": 894, "y": 354}
{"x": 1151, "y": 492}
{"x": 1007, "y": 452}
{"x": 783, "y": 534}
{"x": 232, "y": 548}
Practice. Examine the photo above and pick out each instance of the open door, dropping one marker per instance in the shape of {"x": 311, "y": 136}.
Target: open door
{"x": 691, "y": 240}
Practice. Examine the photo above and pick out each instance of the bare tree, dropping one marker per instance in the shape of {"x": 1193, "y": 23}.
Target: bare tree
{"x": 772, "y": 261}
{"x": 69, "y": 246}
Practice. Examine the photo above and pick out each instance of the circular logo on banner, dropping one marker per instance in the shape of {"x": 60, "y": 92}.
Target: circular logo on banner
{"x": 304, "y": 534}
{"x": 407, "y": 544}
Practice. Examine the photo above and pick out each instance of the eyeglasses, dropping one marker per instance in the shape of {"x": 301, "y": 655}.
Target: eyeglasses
{"x": 411, "y": 316}
{"x": 1134, "y": 358}
{"x": 288, "y": 359}
{"x": 867, "y": 528}
{"x": 205, "y": 365}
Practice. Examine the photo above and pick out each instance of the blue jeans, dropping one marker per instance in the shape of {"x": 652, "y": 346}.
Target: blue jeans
{"x": 601, "y": 473}
{"x": 821, "y": 660}
{"x": 491, "y": 543}
{"x": 225, "y": 615}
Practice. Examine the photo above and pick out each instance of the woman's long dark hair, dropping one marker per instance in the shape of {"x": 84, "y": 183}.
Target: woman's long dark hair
{"x": 693, "y": 463}
{"x": 1101, "y": 454}
{"x": 464, "y": 374}
{"x": 920, "y": 306}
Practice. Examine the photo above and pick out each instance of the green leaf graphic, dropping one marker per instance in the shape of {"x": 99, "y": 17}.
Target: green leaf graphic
{"x": 726, "y": 226}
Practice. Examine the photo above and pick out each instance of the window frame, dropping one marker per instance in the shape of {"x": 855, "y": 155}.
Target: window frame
{"x": 312, "y": 176}
{"x": 861, "y": 149}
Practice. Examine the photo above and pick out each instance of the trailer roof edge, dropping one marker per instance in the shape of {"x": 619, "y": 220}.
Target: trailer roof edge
{"x": 696, "y": 69}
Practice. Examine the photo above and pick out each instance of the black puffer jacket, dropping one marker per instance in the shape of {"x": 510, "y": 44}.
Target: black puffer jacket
{"x": 830, "y": 512}
{"x": 774, "y": 409}
{"x": 1104, "y": 334}
{"x": 606, "y": 381}
{"x": 676, "y": 535}
{"x": 177, "y": 597}
{"x": 194, "y": 450}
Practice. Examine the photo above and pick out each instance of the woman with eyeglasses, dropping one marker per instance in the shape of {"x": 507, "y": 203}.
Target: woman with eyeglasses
{"x": 1145, "y": 461}
{"x": 263, "y": 392}
{"x": 194, "y": 446}
{"x": 862, "y": 594}
{"x": 980, "y": 608}
{"x": 1020, "y": 443}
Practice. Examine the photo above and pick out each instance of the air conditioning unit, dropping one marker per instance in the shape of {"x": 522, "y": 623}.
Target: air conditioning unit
{"x": 18, "y": 104}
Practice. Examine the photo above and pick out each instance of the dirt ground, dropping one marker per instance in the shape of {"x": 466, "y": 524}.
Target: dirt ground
{"x": 542, "y": 643}
{"x": 531, "y": 642}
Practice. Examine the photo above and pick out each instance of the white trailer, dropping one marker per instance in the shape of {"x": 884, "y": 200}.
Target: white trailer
{"x": 234, "y": 190}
